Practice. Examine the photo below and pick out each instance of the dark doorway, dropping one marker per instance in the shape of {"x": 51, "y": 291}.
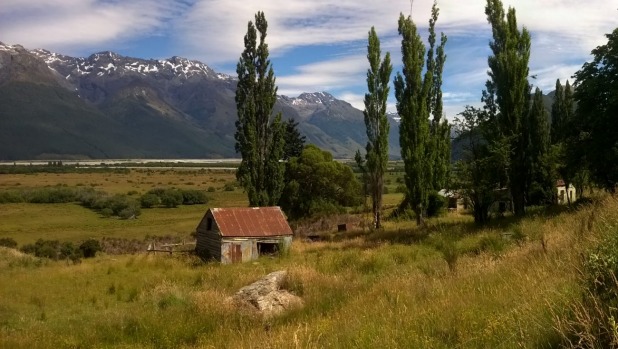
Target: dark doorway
{"x": 268, "y": 248}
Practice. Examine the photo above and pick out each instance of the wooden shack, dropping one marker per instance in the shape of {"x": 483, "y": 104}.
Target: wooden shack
{"x": 241, "y": 234}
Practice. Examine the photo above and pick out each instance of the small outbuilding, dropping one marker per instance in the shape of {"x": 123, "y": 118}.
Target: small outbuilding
{"x": 242, "y": 234}
{"x": 565, "y": 195}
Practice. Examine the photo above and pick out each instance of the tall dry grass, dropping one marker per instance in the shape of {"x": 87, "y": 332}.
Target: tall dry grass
{"x": 388, "y": 289}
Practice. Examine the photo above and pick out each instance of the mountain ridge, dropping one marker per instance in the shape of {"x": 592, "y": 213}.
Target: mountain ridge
{"x": 143, "y": 98}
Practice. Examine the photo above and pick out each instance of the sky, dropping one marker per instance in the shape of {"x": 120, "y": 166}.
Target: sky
{"x": 315, "y": 45}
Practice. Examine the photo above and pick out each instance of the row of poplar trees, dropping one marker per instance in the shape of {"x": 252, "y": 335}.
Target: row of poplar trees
{"x": 424, "y": 134}
{"x": 425, "y": 142}
{"x": 509, "y": 142}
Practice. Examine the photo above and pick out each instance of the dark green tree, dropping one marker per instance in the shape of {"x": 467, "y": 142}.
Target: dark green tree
{"x": 558, "y": 115}
{"x": 596, "y": 94}
{"x": 510, "y": 91}
{"x": 479, "y": 172}
{"x": 412, "y": 92}
{"x": 259, "y": 135}
{"x": 440, "y": 130}
{"x": 565, "y": 145}
{"x": 316, "y": 184}
{"x": 376, "y": 121}
{"x": 576, "y": 159}
{"x": 294, "y": 141}
{"x": 540, "y": 187}
{"x": 425, "y": 144}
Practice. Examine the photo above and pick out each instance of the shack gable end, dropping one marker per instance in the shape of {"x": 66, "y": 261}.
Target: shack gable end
{"x": 208, "y": 245}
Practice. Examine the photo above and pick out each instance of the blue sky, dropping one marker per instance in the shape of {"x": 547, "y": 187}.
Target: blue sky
{"x": 317, "y": 45}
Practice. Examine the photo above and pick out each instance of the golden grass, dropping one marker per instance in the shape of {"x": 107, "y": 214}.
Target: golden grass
{"x": 377, "y": 290}
{"x": 140, "y": 180}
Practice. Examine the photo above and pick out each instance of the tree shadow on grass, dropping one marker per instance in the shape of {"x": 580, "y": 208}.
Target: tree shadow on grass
{"x": 507, "y": 224}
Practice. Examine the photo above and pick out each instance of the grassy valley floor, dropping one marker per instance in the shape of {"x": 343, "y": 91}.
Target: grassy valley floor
{"x": 449, "y": 286}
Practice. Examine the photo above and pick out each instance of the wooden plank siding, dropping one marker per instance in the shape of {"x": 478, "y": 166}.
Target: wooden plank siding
{"x": 208, "y": 245}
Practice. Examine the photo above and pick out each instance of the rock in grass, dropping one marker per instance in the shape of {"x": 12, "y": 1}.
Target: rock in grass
{"x": 267, "y": 296}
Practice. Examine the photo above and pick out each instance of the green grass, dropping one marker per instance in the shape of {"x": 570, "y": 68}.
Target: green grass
{"x": 388, "y": 289}
{"x": 71, "y": 222}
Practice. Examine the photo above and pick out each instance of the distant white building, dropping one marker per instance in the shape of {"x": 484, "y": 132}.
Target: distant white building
{"x": 565, "y": 195}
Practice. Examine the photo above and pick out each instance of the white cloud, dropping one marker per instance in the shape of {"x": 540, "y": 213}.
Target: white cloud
{"x": 325, "y": 76}
{"x": 563, "y": 33}
{"x": 214, "y": 29}
{"x": 71, "y": 24}
{"x": 357, "y": 100}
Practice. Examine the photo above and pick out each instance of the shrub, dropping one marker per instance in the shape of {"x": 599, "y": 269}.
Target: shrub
{"x": 118, "y": 203}
{"x": 52, "y": 195}
{"x": 149, "y": 200}
{"x": 193, "y": 197}
{"x": 11, "y": 197}
{"x": 211, "y": 189}
{"x": 69, "y": 251}
{"x": 592, "y": 321}
{"x": 47, "y": 251}
{"x": 229, "y": 187}
{"x": 171, "y": 198}
{"x": 107, "y": 212}
{"x": 435, "y": 204}
{"x": 129, "y": 212}
{"x": 8, "y": 242}
{"x": 601, "y": 269}
{"x": 90, "y": 248}
{"x": 401, "y": 189}
{"x": 43, "y": 248}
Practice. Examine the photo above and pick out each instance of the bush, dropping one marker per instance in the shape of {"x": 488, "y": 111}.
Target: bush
{"x": 8, "y": 242}
{"x": 52, "y": 195}
{"x": 11, "y": 197}
{"x": 69, "y": 251}
{"x": 149, "y": 200}
{"x": 43, "y": 248}
{"x": 107, "y": 212}
{"x": 129, "y": 212}
{"x": 90, "y": 247}
{"x": 193, "y": 197}
{"x": 171, "y": 198}
{"x": 435, "y": 204}
{"x": 592, "y": 321}
{"x": 601, "y": 269}
{"x": 229, "y": 187}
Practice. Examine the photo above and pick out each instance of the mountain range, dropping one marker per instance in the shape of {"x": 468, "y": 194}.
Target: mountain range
{"x": 54, "y": 106}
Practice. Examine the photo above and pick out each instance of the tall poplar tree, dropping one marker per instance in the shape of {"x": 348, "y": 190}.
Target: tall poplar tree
{"x": 558, "y": 115}
{"x": 440, "y": 130}
{"x": 541, "y": 185}
{"x": 376, "y": 121}
{"x": 560, "y": 120}
{"x": 425, "y": 143}
{"x": 508, "y": 85}
{"x": 259, "y": 135}
{"x": 412, "y": 92}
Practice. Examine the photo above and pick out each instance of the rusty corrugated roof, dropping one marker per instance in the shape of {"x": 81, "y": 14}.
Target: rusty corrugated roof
{"x": 251, "y": 221}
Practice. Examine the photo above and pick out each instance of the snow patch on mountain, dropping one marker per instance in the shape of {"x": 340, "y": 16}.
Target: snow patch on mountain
{"x": 108, "y": 63}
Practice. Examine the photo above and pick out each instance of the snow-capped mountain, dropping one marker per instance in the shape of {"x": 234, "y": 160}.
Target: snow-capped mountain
{"x": 109, "y": 105}
{"x": 109, "y": 63}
